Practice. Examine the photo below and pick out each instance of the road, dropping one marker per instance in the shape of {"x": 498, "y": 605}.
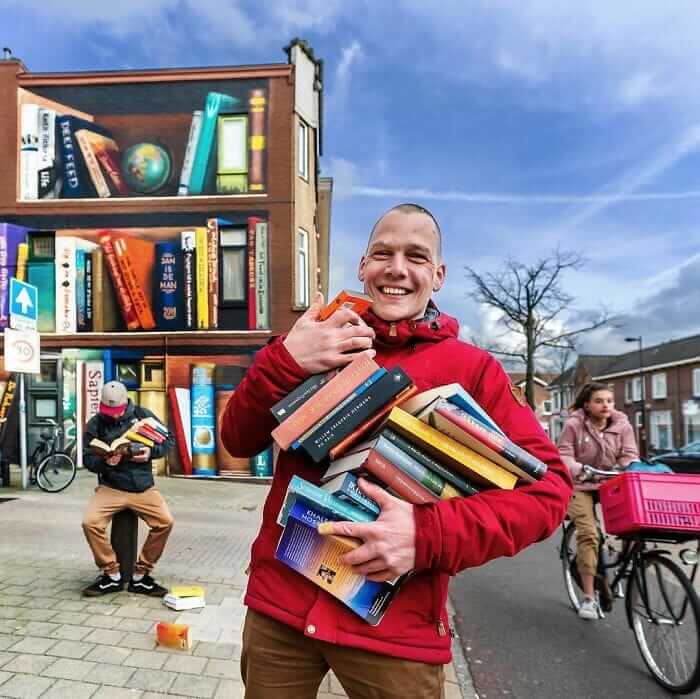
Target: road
{"x": 523, "y": 640}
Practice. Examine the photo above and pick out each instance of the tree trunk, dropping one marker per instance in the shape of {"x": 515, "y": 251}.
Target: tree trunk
{"x": 530, "y": 364}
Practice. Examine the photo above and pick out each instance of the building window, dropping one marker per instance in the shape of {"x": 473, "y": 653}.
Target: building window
{"x": 692, "y": 427}
{"x": 556, "y": 399}
{"x": 658, "y": 385}
{"x": 633, "y": 390}
{"x": 547, "y": 407}
{"x": 302, "y": 268}
{"x": 303, "y": 150}
{"x": 638, "y": 419}
{"x": 661, "y": 429}
{"x": 696, "y": 382}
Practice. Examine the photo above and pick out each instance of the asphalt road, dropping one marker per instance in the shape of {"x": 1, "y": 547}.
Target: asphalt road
{"x": 522, "y": 639}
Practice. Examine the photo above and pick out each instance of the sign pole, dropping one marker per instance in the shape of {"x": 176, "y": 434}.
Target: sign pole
{"x": 23, "y": 432}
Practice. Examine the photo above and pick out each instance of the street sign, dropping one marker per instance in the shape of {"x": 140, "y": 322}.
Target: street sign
{"x": 22, "y": 351}
{"x": 24, "y": 305}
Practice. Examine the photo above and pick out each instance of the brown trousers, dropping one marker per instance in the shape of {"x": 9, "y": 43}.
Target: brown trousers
{"x": 149, "y": 506}
{"x": 278, "y": 662}
{"x": 582, "y": 514}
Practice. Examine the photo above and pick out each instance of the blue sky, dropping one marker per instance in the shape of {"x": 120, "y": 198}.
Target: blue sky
{"x": 522, "y": 126}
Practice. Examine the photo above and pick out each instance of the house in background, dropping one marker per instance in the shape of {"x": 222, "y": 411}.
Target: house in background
{"x": 543, "y": 402}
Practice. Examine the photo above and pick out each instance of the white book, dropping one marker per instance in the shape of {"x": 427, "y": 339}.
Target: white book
{"x": 181, "y": 603}
{"x": 49, "y": 183}
{"x": 195, "y": 127}
{"x": 183, "y": 403}
{"x": 66, "y": 311}
{"x": 94, "y": 380}
{"x": 29, "y": 152}
{"x": 262, "y": 277}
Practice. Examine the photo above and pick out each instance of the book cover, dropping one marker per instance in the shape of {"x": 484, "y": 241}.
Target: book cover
{"x": 169, "y": 310}
{"x": 43, "y": 276}
{"x": 49, "y": 181}
{"x": 157, "y": 402}
{"x": 224, "y": 460}
{"x": 80, "y": 296}
{"x": 10, "y": 238}
{"x": 257, "y": 114}
{"x": 202, "y": 278}
{"x": 284, "y": 408}
{"x": 107, "y": 154}
{"x": 182, "y": 591}
{"x": 203, "y": 419}
{"x": 461, "y": 426}
{"x": 29, "y": 152}
{"x": 324, "y": 400}
{"x": 262, "y": 277}
{"x": 92, "y": 386}
{"x": 91, "y": 164}
{"x": 122, "y": 293}
{"x": 261, "y": 464}
{"x": 346, "y": 487}
{"x": 192, "y": 139}
{"x": 456, "y": 455}
{"x": 187, "y": 242}
{"x": 203, "y": 170}
{"x": 88, "y": 290}
{"x": 317, "y": 558}
{"x": 366, "y": 403}
{"x": 356, "y": 300}
{"x": 136, "y": 258}
{"x": 106, "y": 314}
{"x": 179, "y": 400}
{"x": 232, "y": 154}
{"x": 213, "y": 272}
{"x": 252, "y": 310}
{"x": 353, "y": 462}
{"x": 66, "y": 292}
{"x": 396, "y": 480}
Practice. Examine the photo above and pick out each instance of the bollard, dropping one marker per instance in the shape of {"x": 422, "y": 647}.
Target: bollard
{"x": 124, "y": 537}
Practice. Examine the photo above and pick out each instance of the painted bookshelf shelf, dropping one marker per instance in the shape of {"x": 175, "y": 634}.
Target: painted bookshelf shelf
{"x": 258, "y": 480}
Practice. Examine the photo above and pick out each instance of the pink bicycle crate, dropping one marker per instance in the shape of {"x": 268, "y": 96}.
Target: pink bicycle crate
{"x": 633, "y": 502}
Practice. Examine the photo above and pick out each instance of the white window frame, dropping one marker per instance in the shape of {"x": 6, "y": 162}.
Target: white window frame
{"x": 547, "y": 407}
{"x": 638, "y": 420}
{"x": 658, "y": 385}
{"x": 301, "y": 267}
{"x": 658, "y": 418}
{"x": 696, "y": 382}
{"x": 691, "y": 422}
{"x": 633, "y": 390}
{"x": 303, "y": 150}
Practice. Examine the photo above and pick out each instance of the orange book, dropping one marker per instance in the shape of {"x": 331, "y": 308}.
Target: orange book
{"x": 137, "y": 258}
{"x": 123, "y": 297}
{"x": 356, "y": 300}
{"x": 173, "y": 635}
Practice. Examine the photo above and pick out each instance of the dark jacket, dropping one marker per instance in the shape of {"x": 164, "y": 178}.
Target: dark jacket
{"x": 451, "y": 535}
{"x": 127, "y": 475}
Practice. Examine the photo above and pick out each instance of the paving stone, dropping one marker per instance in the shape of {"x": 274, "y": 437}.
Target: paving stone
{"x": 71, "y": 606}
{"x": 75, "y": 690}
{"x": 12, "y": 600}
{"x": 4, "y": 676}
{"x": 68, "y": 669}
{"x": 25, "y": 686}
{"x": 71, "y": 649}
{"x": 70, "y": 618}
{"x": 33, "y": 644}
{"x": 229, "y": 689}
{"x": 6, "y": 641}
{"x": 40, "y": 602}
{"x": 113, "y": 675}
{"x": 108, "y": 654}
{"x": 217, "y": 650}
{"x": 69, "y": 632}
{"x": 39, "y": 628}
{"x": 141, "y": 625}
{"x": 106, "y": 692}
{"x": 9, "y": 612}
{"x": 107, "y": 636}
{"x": 191, "y": 686}
{"x": 6, "y": 656}
{"x": 31, "y": 614}
{"x": 140, "y": 641}
{"x": 146, "y": 659}
{"x": 102, "y": 621}
{"x": 15, "y": 590}
{"x": 187, "y": 664}
{"x": 228, "y": 669}
{"x": 100, "y": 608}
{"x": 152, "y": 680}
{"x": 29, "y": 664}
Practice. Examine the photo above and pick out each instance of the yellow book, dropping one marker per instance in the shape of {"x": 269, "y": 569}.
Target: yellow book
{"x": 136, "y": 437}
{"x": 187, "y": 591}
{"x": 458, "y": 456}
{"x": 22, "y": 255}
{"x": 157, "y": 402}
{"x": 202, "y": 261}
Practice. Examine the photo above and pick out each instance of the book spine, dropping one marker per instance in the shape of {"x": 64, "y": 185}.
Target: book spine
{"x": 106, "y": 152}
{"x": 365, "y": 404}
{"x": 91, "y": 164}
{"x": 43, "y": 276}
{"x": 433, "y": 464}
{"x": 48, "y": 180}
{"x": 88, "y": 292}
{"x": 326, "y": 502}
{"x": 29, "y": 152}
{"x": 213, "y": 272}
{"x": 195, "y": 127}
{"x": 66, "y": 317}
{"x": 22, "y": 256}
{"x": 262, "y": 277}
{"x": 97, "y": 284}
{"x": 350, "y": 492}
{"x": 168, "y": 286}
{"x": 179, "y": 431}
{"x": 136, "y": 293}
{"x": 257, "y": 111}
{"x": 303, "y": 392}
{"x": 415, "y": 470}
{"x": 72, "y": 186}
{"x": 224, "y": 460}
{"x": 123, "y": 298}
{"x": 80, "y": 290}
{"x": 252, "y": 311}
{"x": 202, "y": 281}
{"x": 393, "y": 477}
{"x": 203, "y": 420}
{"x": 532, "y": 467}
{"x": 324, "y": 401}
{"x": 189, "y": 278}
{"x": 261, "y": 464}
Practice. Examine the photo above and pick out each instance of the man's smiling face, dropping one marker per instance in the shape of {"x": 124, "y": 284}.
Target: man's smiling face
{"x": 402, "y": 266}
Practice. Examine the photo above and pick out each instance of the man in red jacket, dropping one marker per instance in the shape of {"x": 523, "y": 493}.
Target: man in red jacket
{"x": 294, "y": 631}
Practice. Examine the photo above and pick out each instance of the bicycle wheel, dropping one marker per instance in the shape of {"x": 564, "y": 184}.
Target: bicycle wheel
{"x": 667, "y": 630}
{"x": 572, "y": 579}
{"x": 55, "y": 473}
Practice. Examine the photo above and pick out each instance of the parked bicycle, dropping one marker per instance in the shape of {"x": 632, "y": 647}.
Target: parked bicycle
{"x": 661, "y": 604}
{"x": 51, "y": 468}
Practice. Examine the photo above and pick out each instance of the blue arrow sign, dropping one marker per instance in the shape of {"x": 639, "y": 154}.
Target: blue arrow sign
{"x": 24, "y": 303}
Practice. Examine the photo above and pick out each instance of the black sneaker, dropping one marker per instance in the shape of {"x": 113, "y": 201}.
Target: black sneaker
{"x": 147, "y": 586}
{"x": 103, "y": 585}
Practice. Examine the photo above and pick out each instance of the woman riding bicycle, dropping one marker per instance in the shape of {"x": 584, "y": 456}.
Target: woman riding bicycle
{"x": 598, "y": 435}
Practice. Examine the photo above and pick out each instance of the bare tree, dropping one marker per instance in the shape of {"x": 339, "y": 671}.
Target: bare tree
{"x": 531, "y": 301}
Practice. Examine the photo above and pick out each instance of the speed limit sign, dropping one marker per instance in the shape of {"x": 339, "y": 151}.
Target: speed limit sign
{"x": 22, "y": 351}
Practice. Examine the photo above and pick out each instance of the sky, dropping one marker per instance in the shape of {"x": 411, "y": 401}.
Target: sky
{"x": 524, "y": 127}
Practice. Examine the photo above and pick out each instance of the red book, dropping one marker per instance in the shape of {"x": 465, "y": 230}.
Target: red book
{"x": 179, "y": 431}
{"x": 401, "y": 483}
{"x": 107, "y": 153}
{"x": 136, "y": 258}
{"x": 123, "y": 298}
{"x": 252, "y": 320}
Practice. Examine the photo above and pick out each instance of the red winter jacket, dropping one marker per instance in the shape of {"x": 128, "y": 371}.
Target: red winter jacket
{"x": 451, "y": 535}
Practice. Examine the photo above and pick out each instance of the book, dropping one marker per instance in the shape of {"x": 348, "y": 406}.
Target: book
{"x": 66, "y": 292}
{"x": 455, "y": 393}
{"x": 121, "y": 292}
{"x": 452, "y": 453}
{"x": 252, "y": 309}
{"x": 106, "y": 314}
{"x": 261, "y": 464}
{"x": 192, "y": 139}
{"x": 94, "y": 377}
{"x": 232, "y": 154}
{"x": 317, "y": 557}
{"x": 203, "y": 419}
{"x": 91, "y": 164}
{"x": 189, "y": 277}
{"x": 356, "y": 300}
{"x": 285, "y": 407}
{"x": 202, "y": 173}
{"x": 29, "y": 152}
{"x": 175, "y": 636}
{"x": 262, "y": 277}
{"x": 322, "y": 501}
{"x": 80, "y": 294}
{"x": 10, "y": 238}
{"x": 179, "y": 400}
{"x": 136, "y": 260}
{"x": 353, "y": 462}
{"x": 365, "y": 403}
{"x": 182, "y": 591}
{"x": 22, "y": 254}
{"x": 202, "y": 278}
{"x": 87, "y": 262}
{"x": 324, "y": 400}
{"x": 180, "y": 604}
{"x": 107, "y": 154}
{"x": 345, "y": 487}
{"x": 397, "y": 481}
{"x": 168, "y": 297}
{"x": 224, "y": 460}
{"x": 49, "y": 181}
{"x": 257, "y": 114}
{"x": 121, "y": 445}
{"x": 461, "y": 426}
{"x": 213, "y": 272}
{"x": 43, "y": 276}
{"x": 414, "y": 469}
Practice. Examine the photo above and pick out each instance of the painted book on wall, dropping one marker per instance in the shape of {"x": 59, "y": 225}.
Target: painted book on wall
{"x": 29, "y": 152}
{"x": 262, "y": 276}
{"x": 203, "y": 419}
{"x": 189, "y": 279}
{"x": 10, "y": 238}
{"x": 49, "y": 180}
{"x": 192, "y": 140}
{"x": 168, "y": 277}
{"x": 136, "y": 258}
{"x": 257, "y": 155}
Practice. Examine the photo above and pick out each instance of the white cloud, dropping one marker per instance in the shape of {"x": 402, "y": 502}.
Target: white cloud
{"x": 350, "y": 57}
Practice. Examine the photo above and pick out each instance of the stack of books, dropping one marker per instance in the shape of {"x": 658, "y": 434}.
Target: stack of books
{"x": 423, "y": 448}
{"x": 182, "y": 597}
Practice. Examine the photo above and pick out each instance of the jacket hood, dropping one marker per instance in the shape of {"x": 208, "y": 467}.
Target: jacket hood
{"x": 618, "y": 419}
{"x": 434, "y": 326}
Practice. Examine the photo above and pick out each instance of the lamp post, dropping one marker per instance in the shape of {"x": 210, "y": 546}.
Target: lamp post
{"x": 643, "y": 428}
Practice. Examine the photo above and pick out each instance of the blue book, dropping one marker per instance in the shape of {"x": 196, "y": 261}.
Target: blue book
{"x": 203, "y": 166}
{"x": 345, "y": 487}
{"x": 169, "y": 309}
{"x": 10, "y": 238}
{"x": 262, "y": 464}
{"x": 80, "y": 300}
{"x": 43, "y": 276}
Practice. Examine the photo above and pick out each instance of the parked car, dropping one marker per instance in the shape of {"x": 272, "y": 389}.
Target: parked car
{"x": 683, "y": 460}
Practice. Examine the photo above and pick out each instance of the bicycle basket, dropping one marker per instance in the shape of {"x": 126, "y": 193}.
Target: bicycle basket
{"x": 633, "y": 502}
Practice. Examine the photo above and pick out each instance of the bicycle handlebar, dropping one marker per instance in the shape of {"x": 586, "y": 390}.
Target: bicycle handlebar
{"x": 589, "y": 472}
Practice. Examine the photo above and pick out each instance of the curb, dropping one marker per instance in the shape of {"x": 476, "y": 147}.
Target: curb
{"x": 459, "y": 660}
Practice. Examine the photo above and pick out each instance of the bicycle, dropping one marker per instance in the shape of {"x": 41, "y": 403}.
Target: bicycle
{"x": 661, "y": 604}
{"x": 50, "y": 468}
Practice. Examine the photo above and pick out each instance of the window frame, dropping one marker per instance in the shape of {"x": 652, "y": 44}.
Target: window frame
{"x": 655, "y": 422}
{"x": 658, "y": 395}
{"x": 695, "y": 376}
{"x": 303, "y": 150}
{"x": 302, "y": 269}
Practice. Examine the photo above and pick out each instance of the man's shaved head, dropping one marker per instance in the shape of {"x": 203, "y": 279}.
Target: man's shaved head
{"x": 409, "y": 208}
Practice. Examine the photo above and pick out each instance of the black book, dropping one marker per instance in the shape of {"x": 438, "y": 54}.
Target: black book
{"x": 284, "y": 408}
{"x": 335, "y": 428}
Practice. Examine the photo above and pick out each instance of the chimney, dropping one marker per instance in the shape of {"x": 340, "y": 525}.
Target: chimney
{"x": 6, "y": 54}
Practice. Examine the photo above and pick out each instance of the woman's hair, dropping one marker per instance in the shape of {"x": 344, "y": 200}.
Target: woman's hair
{"x": 586, "y": 392}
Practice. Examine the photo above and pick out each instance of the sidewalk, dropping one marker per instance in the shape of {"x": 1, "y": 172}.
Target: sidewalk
{"x": 55, "y": 643}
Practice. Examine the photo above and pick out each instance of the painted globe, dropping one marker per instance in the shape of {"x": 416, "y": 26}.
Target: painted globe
{"x": 146, "y": 167}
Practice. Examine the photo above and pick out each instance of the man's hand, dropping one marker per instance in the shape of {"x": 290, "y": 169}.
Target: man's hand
{"x": 389, "y": 547}
{"x": 114, "y": 459}
{"x": 318, "y": 346}
{"x": 142, "y": 455}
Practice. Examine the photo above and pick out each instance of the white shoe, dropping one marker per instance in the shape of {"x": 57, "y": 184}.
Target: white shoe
{"x": 589, "y": 609}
